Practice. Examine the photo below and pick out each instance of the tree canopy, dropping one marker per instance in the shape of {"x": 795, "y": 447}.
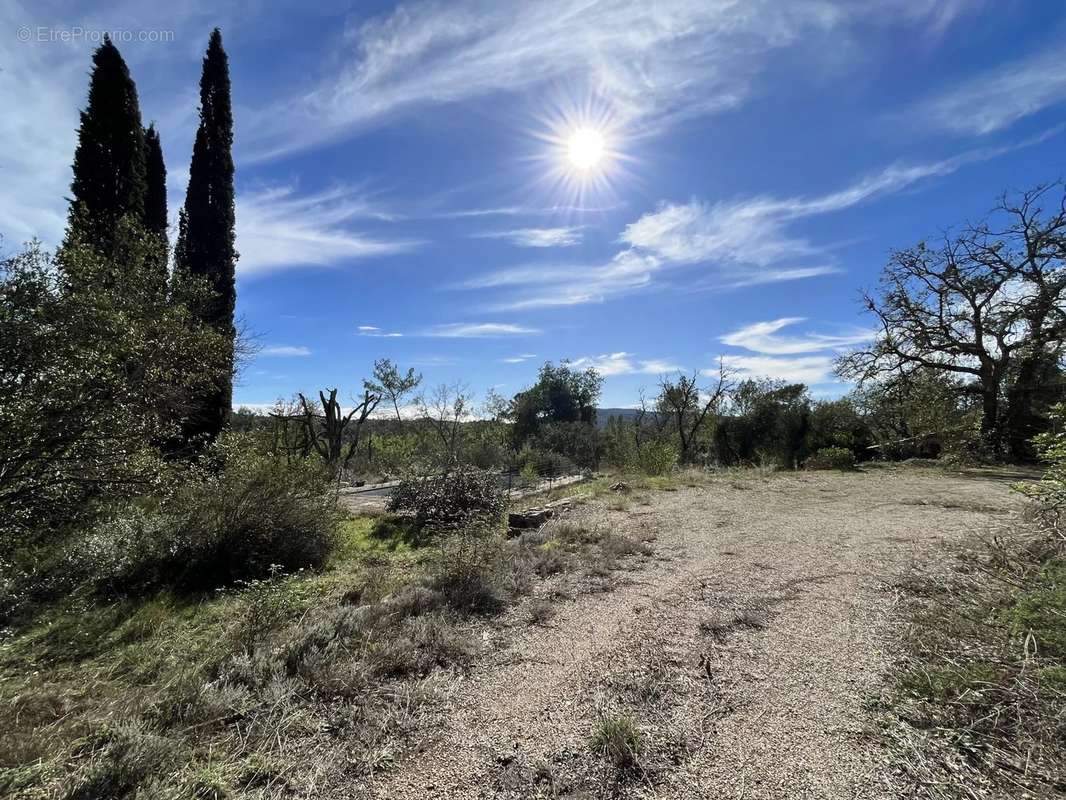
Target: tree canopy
{"x": 985, "y": 305}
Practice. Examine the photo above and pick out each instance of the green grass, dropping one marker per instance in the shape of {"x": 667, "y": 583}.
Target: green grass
{"x": 619, "y": 741}
{"x": 1040, "y": 610}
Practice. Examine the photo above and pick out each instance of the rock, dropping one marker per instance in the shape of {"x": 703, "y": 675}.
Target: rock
{"x": 621, "y": 486}
{"x": 530, "y": 518}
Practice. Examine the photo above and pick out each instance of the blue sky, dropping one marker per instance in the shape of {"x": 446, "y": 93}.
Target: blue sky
{"x": 406, "y": 187}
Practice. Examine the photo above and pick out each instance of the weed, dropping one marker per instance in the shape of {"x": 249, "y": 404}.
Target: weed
{"x": 618, "y": 740}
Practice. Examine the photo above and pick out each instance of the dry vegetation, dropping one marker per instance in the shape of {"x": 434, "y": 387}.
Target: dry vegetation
{"x": 974, "y": 707}
{"x": 238, "y": 693}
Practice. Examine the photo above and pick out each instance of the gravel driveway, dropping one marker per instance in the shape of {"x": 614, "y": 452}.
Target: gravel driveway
{"x": 743, "y": 650}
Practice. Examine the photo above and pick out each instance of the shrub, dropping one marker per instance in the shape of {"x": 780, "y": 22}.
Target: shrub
{"x": 656, "y": 458}
{"x": 459, "y": 494}
{"x": 1051, "y": 489}
{"x": 251, "y": 518}
{"x": 832, "y": 458}
{"x": 618, "y": 740}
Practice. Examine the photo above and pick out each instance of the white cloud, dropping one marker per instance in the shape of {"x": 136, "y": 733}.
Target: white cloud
{"x": 804, "y": 369}
{"x": 284, "y": 350}
{"x": 754, "y": 232}
{"x": 537, "y": 237}
{"x": 622, "y": 363}
{"x": 479, "y": 330}
{"x": 518, "y": 359}
{"x": 762, "y": 337}
{"x": 1000, "y": 97}
{"x": 373, "y": 330}
{"x": 279, "y": 229}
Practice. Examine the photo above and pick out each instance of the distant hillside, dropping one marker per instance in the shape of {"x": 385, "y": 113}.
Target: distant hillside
{"x": 604, "y": 414}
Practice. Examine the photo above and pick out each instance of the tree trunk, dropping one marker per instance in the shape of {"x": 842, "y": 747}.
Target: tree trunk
{"x": 990, "y": 431}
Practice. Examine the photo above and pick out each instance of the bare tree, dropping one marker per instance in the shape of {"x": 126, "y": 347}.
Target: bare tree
{"x": 445, "y": 409}
{"x": 327, "y": 431}
{"x": 289, "y": 431}
{"x": 986, "y": 305}
{"x": 389, "y": 383}
{"x": 686, "y": 407}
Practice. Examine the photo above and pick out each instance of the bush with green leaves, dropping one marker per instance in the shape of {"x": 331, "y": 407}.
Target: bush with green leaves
{"x": 97, "y": 368}
{"x": 656, "y": 457}
{"x": 831, "y": 458}
{"x": 458, "y": 494}
{"x": 1051, "y": 489}
{"x": 241, "y": 516}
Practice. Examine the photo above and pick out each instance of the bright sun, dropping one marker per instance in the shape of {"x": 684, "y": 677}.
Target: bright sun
{"x": 586, "y": 148}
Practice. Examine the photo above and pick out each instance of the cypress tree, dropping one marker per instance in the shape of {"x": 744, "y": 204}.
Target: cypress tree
{"x": 155, "y": 199}
{"x": 205, "y": 251}
{"x": 109, "y": 162}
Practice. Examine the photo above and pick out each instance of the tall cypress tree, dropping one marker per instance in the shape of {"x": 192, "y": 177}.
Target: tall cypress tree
{"x": 205, "y": 250}
{"x": 109, "y": 162}
{"x": 155, "y": 198}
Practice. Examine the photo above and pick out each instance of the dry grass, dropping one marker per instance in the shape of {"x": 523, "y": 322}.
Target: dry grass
{"x": 974, "y": 708}
{"x": 234, "y": 693}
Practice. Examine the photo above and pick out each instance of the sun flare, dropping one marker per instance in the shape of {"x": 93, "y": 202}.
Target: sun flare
{"x": 586, "y": 148}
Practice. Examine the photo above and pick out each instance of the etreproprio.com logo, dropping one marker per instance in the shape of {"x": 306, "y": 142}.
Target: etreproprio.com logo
{"x": 78, "y": 33}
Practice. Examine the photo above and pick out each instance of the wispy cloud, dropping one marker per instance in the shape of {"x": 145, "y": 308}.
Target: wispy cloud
{"x": 653, "y": 63}
{"x": 373, "y": 330}
{"x": 519, "y": 359}
{"x": 537, "y": 237}
{"x": 764, "y": 337}
{"x": 998, "y": 98}
{"x": 623, "y": 363}
{"x": 778, "y": 355}
{"x": 479, "y": 330}
{"x": 522, "y": 211}
{"x": 284, "y": 350}
{"x": 279, "y": 229}
{"x": 811, "y": 370}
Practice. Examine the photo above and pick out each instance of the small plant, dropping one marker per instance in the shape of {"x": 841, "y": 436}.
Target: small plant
{"x": 832, "y": 458}
{"x": 265, "y": 604}
{"x": 618, "y": 740}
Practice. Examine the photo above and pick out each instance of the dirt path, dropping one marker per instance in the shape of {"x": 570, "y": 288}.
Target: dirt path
{"x": 743, "y": 651}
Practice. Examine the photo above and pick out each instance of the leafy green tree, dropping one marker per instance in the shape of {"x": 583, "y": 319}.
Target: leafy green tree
{"x": 768, "y": 422}
{"x": 561, "y": 394}
{"x": 916, "y": 413}
{"x": 205, "y": 251}
{"x": 392, "y": 385}
{"x": 838, "y": 424}
{"x": 92, "y": 374}
{"x": 109, "y": 162}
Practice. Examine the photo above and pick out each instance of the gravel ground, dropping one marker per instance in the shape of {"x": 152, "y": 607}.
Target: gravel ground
{"x": 743, "y": 651}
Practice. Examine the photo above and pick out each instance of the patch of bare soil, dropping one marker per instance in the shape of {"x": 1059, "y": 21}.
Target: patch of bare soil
{"x": 741, "y": 654}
